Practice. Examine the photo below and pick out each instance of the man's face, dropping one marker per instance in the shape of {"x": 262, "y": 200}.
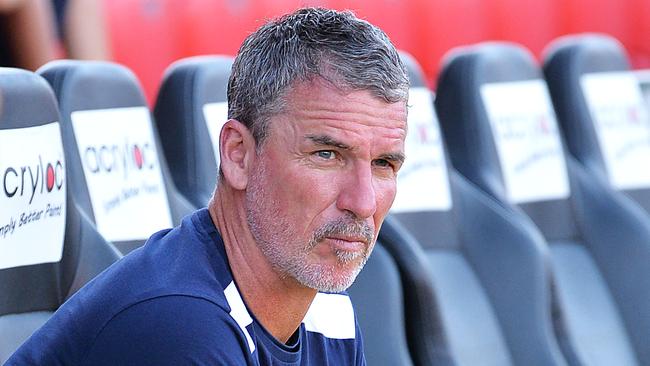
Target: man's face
{"x": 323, "y": 182}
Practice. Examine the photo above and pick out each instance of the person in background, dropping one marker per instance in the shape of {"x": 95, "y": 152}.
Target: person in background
{"x": 82, "y": 29}
{"x": 34, "y": 32}
{"x": 317, "y": 108}
{"x": 27, "y": 33}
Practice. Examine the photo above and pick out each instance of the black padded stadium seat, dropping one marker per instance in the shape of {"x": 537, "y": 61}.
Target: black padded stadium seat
{"x": 48, "y": 249}
{"x": 377, "y": 295}
{"x": 190, "y": 110}
{"x": 486, "y": 263}
{"x": 118, "y": 175}
{"x": 497, "y": 118}
{"x": 601, "y": 111}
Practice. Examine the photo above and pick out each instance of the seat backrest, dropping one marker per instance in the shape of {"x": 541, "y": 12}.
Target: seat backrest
{"x": 424, "y": 200}
{"x": 384, "y": 332}
{"x": 497, "y": 117}
{"x": 118, "y": 175}
{"x": 48, "y": 249}
{"x": 522, "y": 161}
{"x": 190, "y": 110}
{"x": 601, "y": 111}
{"x": 457, "y": 225}
{"x": 416, "y": 213}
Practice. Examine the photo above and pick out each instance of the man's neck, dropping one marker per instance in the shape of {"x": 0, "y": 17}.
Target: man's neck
{"x": 279, "y": 303}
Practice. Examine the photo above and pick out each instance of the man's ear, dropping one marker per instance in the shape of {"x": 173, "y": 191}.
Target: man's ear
{"x": 236, "y": 151}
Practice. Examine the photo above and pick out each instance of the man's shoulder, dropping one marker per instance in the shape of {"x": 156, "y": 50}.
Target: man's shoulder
{"x": 177, "y": 267}
{"x": 181, "y": 261}
{"x": 163, "y": 330}
{"x": 167, "y": 330}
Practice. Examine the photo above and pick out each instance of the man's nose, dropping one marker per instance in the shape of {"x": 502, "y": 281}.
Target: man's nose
{"x": 357, "y": 194}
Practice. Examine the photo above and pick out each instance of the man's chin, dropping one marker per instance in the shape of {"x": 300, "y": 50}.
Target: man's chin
{"x": 336, "y": 278}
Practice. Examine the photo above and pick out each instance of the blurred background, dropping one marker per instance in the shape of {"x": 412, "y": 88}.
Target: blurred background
{"x": 148, "y": 35}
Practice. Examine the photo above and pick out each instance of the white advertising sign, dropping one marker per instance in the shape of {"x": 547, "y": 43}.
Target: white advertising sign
{"x": 33, "y": 196}
{"x": 643, "y": 78}
{"x": 216, "y": 115}
{"x": 120, "y": 162}
{"x": 422, "y": 183}
{"x": 622, "y": 126}
{"x": 527, "y": 140}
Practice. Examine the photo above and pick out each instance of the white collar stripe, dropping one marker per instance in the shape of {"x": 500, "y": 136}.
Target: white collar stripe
{"x": 331, "y": 315}
{"x": 239, "y": 312}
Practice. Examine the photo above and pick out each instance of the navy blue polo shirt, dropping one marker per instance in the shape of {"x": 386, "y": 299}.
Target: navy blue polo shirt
{"x": 174, "y": 302}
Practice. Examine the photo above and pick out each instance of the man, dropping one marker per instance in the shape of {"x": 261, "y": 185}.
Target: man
{"x": 309, "y": 157}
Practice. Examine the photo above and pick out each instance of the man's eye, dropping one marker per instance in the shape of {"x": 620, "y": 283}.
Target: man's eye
{"x": 326, "y": 154}
{"x": 383, "y": 163}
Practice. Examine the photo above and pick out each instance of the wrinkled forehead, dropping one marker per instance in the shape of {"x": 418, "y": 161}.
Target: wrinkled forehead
{"x": 319, "y": 92}
{"x": 353, "y": 118}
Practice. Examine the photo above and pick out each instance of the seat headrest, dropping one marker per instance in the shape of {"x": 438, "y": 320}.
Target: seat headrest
{"x": 424, "y": 200}
{"x": 113, "y": 148}
{"x": 190, "y": 110}
{"x": 211, "y": 74}
{"x": 35, "y": 264}
{"x": 499, "y": 123}
{"x": 601, "y": 108}
{"x": 423, "y": 181}
{"x": 84, "y": 85}
{"x": 32, "y": 172}
{"x": 493, "y": 62}
{"x": 590, "y": 52}
{"x": 416, "y": 75}
{"x": 21, "y": 91}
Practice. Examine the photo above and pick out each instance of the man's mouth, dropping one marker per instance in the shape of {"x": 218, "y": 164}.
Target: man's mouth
{"x": 348, "y": 243}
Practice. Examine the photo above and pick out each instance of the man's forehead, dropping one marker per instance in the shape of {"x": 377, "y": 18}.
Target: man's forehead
{"x": 322, "y": 100}
{"x": 333, "y": 132}
{"x": 320, "y": 86}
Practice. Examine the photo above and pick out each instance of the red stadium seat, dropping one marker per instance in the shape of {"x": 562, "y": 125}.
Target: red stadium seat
{"x": 530, "y": 23}
{"x": 145, "y": 36}
{"x": 395, "y": 17}
{"x": 148, "y": 35}
{"x": 602, "y": 16}
{"x": 217, "y": 26}
{"x": 639, "y": 20}
{"x": 221, "y": 26}
{"x": 444, "y": 24}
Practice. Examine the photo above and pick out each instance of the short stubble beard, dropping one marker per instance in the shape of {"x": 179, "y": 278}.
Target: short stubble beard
{"x": 273, "y": 235}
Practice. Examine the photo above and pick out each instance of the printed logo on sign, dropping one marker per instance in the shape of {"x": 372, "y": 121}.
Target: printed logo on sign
{"x": 423, "y": 184}
{"x": 28, "y": 180}
{"x": 123, "y": 175}
{"x": 123, "y": 159}
{"x": 533, "y": 128}
{"x": 33, "y": 196}
{"x": 527, "y": 140}
{"x": 216, "y": 115}
{"x": 622, "y": 126}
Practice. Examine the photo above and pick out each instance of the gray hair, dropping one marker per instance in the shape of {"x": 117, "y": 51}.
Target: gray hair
{"x": 337, "y": 46}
